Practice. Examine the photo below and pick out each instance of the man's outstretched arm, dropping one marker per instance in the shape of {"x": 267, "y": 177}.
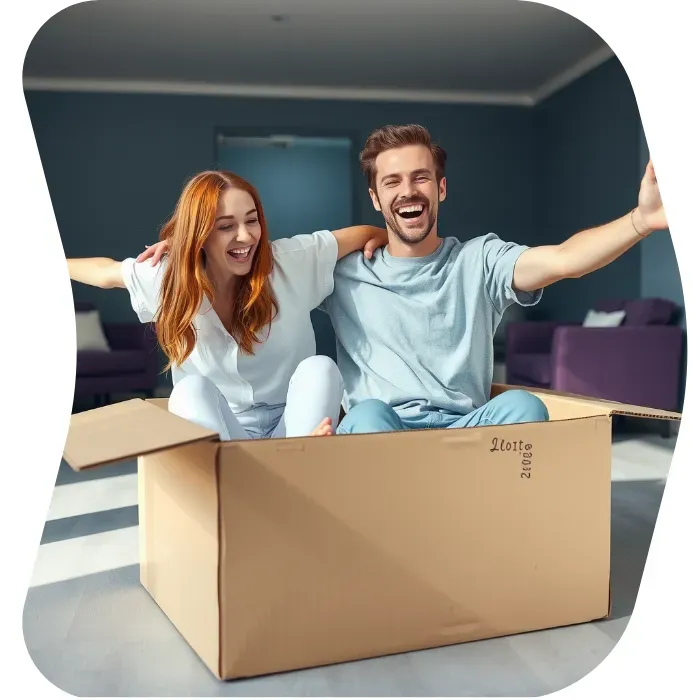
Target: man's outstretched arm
{"x": 594, "y": 248}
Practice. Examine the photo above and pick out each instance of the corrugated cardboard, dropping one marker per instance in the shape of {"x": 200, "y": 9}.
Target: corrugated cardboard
{"x": 273, "y": 555}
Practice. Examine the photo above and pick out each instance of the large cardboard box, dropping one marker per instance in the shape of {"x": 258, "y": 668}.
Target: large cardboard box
{"x": 273, "y": 555}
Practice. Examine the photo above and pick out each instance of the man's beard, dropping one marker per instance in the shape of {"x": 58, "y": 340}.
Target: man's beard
{"x": 393, "y": 221}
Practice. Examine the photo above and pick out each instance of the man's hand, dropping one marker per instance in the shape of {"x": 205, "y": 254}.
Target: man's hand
{"x": 651, "y": 215}
{"x": 155, "y": 251}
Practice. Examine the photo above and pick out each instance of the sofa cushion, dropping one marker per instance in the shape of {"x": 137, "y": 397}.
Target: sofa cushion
{"x": 533, "y": 367}
{"x": 649, "y": 312}
{"x": 610, "y": 305}
{"x": 89, "y": 331}
{"x": 604, "y": 319}
{"x": 91, "y": 363}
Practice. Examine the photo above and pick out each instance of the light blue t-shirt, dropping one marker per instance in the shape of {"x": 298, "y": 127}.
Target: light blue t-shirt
{"x": 417, "y": 333}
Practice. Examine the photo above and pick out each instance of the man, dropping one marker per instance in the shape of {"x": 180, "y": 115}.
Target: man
{"x": 415, "y": 323}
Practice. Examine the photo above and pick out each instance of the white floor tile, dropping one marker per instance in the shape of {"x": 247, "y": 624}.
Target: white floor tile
{"x": 81, "y": 556}
{"x": 93, "y": 496}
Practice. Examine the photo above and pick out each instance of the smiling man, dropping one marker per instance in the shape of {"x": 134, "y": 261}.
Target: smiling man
{"x": 415, "y": 323}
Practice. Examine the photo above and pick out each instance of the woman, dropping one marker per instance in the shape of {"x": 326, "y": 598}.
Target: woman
{"x": 232, "y": 311}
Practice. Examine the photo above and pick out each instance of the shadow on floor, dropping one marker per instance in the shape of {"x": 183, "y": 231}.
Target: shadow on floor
{"x": 635, "y": 506}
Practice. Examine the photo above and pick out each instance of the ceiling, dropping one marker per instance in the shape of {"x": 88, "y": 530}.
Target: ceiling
{"x": 492, "y": 51}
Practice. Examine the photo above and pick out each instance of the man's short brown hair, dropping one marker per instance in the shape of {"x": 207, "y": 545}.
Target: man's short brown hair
{"x": 387, "y": 137}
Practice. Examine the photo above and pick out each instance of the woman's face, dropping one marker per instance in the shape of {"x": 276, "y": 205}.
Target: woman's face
{"x": 232, "y": 243}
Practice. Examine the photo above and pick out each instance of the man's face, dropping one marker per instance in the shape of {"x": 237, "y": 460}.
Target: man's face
{"x": 408, "y": 192}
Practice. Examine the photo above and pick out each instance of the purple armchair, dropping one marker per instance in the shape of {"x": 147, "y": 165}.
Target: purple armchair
{"x": 132, "y": 364}
{"x": 638, "y": 362}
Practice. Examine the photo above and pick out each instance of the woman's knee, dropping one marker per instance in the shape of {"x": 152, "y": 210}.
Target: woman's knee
{"x": 317, "y": 368}
{"x": 194, "y": 396}
{"x": 192, "y": 386}
{"x": 317, "y": 364}
{"x": 198, "y": 400}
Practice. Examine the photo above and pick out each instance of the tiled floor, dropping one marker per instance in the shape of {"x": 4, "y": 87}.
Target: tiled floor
{"x": 92, "y": 630}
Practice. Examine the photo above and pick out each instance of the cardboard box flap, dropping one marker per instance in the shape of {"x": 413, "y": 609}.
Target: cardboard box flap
{"x": 126, "y": 430}
{"x": 596, "y": 406}
{"x": 626, "y": 409}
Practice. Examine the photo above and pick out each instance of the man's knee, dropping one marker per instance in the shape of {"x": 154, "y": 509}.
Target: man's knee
{"x": 370, "y": 416}
{"x": 520, "y": 406}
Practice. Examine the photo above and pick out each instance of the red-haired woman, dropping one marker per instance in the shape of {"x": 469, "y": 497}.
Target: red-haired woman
{"x": 232, "y": 311}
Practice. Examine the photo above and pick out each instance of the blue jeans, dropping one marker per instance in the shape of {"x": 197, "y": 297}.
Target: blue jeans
{"x": 514, "y": 406}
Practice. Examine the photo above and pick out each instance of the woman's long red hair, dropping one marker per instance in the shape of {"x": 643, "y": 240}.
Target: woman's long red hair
{"x": 185, "y": 281}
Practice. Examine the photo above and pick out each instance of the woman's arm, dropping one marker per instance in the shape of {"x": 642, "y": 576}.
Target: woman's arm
{"x": 354, "y": 238}
{"x": 97, "y": 272}
{"x": 350, "y": 239}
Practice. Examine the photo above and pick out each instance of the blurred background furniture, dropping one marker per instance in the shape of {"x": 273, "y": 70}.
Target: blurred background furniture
{"x": 513, "y": 314}
{"x": 637, "y": 362}
{"x": 129, "y": 362}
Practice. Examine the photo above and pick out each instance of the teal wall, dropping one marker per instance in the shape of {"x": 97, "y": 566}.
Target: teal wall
{"x": 115, "y": 163}
{"x": 587, "y": 168}
{"x": 304, "y": 187}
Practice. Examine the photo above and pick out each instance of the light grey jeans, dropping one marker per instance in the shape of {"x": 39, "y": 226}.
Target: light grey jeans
{"x": 315, "y": 392}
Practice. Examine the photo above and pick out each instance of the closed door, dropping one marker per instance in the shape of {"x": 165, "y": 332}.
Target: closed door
{"x": 305, "y": 186}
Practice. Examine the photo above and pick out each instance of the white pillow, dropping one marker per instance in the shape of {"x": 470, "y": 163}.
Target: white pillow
{"x": 90, "y": 335}
{"x": 603, "y": 319}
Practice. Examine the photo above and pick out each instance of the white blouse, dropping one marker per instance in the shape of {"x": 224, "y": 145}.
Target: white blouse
{"x": 301, "y": 279}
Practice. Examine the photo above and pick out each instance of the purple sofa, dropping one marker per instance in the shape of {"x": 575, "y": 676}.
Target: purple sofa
{"x": 131, "y": 365}
{"x": 638, "y": 362}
